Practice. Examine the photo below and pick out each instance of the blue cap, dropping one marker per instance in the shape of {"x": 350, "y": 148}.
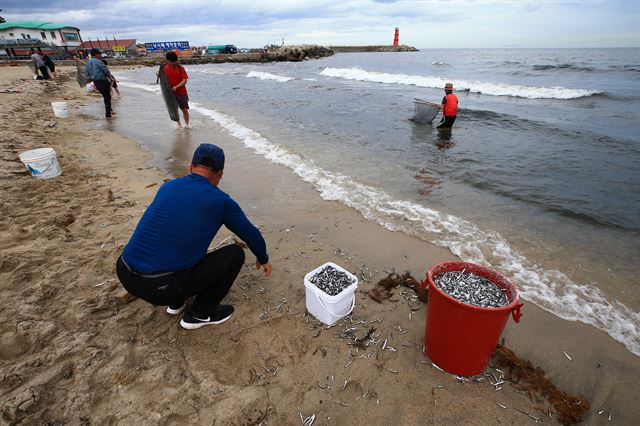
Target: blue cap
{"x": 208, "y": 155}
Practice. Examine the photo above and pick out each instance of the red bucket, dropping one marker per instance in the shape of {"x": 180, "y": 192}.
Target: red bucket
{"x": 460, "y": 338}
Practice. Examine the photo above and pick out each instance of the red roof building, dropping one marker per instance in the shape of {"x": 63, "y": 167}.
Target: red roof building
{"x": 122, "y": 46}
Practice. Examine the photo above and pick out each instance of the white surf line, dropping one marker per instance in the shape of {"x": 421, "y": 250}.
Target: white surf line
{"x": 268, "y": 76}
{"x": 494, "y": 89}
{"x": 153, "y": 88}
{"x": 551, "y": 290}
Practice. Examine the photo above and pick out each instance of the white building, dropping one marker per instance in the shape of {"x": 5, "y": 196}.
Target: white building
{"x": 64, "y": 36}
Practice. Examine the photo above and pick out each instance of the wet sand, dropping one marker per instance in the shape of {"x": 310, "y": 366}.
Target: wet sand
{"x": 75, "y": 349}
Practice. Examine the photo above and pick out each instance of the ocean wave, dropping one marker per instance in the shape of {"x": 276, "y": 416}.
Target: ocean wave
{"x": 155, "y": 88}
{"x": 439, "y": 63}
{"x": 569, "y": 67}
{"x": 268, "y": 76}
{"x": 493, "y": 89}
{"x": 551, "y": 290}
{"x": 213, "y": 71}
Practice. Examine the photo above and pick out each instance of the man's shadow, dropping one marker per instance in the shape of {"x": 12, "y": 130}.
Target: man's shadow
{"x": 440, "y": 138}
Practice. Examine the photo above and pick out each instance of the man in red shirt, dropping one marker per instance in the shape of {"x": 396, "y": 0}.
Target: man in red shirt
{"x": 177, "y": 77}
{"x": 449, "y": 107}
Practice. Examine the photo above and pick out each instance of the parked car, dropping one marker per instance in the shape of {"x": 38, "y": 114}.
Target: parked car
{"x": 226, "y": 49}
{"x": 230, "y": 49}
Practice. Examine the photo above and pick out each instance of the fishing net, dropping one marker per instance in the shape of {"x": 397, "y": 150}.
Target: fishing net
{"x": 81, "y": 75}
{"x": 169, "y": 97}
{"x": 424, "y": 112}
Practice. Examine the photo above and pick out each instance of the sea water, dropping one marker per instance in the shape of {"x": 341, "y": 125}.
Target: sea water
{"x": 539, "y": 178}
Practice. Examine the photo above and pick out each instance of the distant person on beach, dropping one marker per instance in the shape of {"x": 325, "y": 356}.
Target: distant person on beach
{"x": 50, "y": 65}
{"x": 166, "y": 261}
{"x": 177, "y": 77}
{"x": 449, "y": 108}
{"x": 101, "y": 77}
{"x": 112, "y": 82}
{"x": 40, "y": 65}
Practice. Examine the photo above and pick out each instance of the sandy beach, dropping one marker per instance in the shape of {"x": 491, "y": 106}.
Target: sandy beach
{"x": 75, "y": 348}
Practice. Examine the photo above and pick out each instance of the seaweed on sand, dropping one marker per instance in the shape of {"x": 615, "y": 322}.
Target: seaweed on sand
{"x": 569, "y": 409}
{"x": 382, "y": 291}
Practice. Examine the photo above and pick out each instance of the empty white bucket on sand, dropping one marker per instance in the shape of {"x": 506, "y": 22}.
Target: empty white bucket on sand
{"x": 325, "y": 307}
{"x": 41, "y": 163}
{"x": 60, "y": 109}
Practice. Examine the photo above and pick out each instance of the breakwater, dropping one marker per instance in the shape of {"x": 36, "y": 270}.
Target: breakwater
{"x": 401, "y": 48}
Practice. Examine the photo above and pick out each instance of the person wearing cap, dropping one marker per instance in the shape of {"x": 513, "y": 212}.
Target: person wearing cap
{"x": 101, "y": 77}
{"x": 166, "y": 261}
{"x": 449, "y": 108}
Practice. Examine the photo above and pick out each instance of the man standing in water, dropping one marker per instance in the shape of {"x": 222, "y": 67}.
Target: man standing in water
{"x": 449, "y": 108}
{"x": 177, "y": 77}
{"x": 166, "y": 261}
{"x": 101, "y": 77}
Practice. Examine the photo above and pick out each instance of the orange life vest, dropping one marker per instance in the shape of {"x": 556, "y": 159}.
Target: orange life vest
{"x": 451, "y": 105}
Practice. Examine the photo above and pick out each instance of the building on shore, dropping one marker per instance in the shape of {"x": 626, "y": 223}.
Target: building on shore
{"x": 23, "y": 38}
{"x": 113, "y": 47}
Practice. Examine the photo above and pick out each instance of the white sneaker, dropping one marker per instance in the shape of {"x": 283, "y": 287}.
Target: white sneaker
{"x": 176, "y": 309}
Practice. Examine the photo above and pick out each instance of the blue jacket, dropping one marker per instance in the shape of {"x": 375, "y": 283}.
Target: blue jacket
{"x": 97, "y": 70}
{"x": 178, "y": 226}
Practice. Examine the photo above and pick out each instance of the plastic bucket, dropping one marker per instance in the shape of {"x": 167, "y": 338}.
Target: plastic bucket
{"x": 460, "y": 338}
{"x": 60, "y": 109}
{"x": 325, "y": 307}
{"x": 41, "y": 163}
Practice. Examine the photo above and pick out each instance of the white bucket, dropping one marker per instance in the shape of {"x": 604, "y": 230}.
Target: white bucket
{"x": 60, "y": 109}
{"x": 41, "y": 163}
{"x": 324, "y": 307}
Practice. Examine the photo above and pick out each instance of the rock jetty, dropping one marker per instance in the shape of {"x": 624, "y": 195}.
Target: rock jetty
{"x": 401, "y": 48}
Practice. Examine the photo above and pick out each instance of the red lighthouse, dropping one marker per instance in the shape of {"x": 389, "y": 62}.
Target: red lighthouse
{"x": 396, "y": 37}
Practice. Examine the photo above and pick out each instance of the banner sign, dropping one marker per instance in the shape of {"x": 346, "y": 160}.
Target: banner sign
{"x": 167, "y": 45}
{"x": 118, "y": 49}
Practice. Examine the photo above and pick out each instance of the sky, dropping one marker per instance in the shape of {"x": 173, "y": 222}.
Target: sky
{"x": 422, "y": 23}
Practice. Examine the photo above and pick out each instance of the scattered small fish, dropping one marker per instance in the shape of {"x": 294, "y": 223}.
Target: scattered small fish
{"x": 567, "y": 355}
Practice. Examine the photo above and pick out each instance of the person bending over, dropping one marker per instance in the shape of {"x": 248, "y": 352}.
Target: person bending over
{"x": 449, "y": 108}
{"x": 166, "y": 261}
{"x": 39, "y": 64}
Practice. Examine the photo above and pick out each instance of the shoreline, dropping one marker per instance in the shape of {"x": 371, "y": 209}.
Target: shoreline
{"x": 103, "y": 350}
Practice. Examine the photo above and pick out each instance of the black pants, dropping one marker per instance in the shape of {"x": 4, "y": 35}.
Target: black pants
{"x": 210, "y": 280}
{"x": 104, "y": 88}
{"x": 45, "y": 72}
{"x": 447, "y": 122}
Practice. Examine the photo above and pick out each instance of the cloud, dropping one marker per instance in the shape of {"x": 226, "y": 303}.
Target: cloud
{"x": 423, "y": 23}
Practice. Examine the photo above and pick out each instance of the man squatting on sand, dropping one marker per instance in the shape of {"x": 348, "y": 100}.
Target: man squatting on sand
{"x": 101, "y": 77}
{"x": 166, "y": 261}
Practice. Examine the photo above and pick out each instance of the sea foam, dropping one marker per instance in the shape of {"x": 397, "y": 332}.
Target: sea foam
{"x": 494, "y": 89}
{"x": 268, "y": 76}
